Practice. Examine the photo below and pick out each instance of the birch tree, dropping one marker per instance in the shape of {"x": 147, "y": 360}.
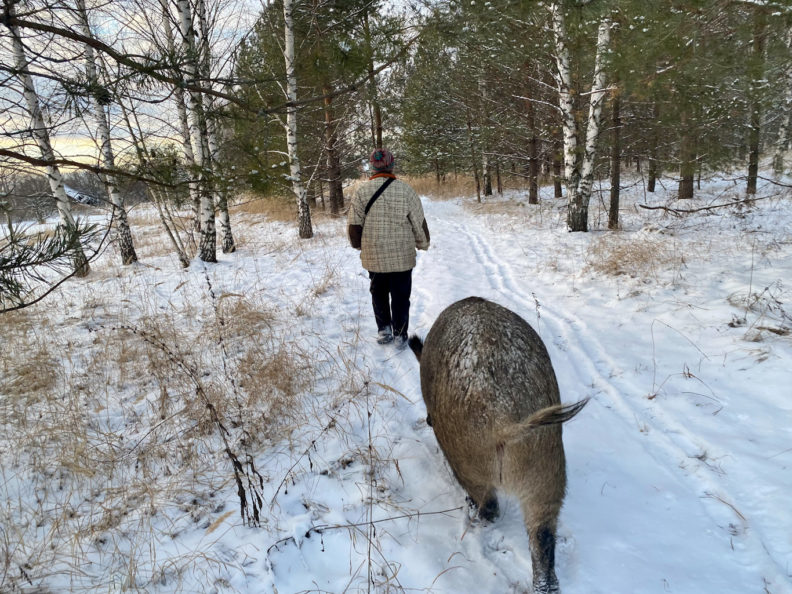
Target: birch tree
{"x": 579, "y": 168}
{"x": 220, "y": 191}
{"x": 198, "y": 133}
{"x": 99, "y": 98}
{"x": 183, "y": 118}
{"x": 40, "y": 133}
{"x": 303, "y": 209}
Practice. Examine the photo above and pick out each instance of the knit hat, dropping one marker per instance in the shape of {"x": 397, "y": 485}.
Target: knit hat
{"x": 381, "y": 160}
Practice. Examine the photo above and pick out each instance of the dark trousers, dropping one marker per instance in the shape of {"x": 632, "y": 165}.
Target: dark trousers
{"x": 390, "y": 296}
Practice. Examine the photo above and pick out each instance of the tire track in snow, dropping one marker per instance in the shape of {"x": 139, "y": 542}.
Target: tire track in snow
{"x": 670, "y": 443}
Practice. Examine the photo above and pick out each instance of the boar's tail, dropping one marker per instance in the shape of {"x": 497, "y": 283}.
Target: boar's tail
{"x": 552, "y": 415}
{"x": 416, "y": 344}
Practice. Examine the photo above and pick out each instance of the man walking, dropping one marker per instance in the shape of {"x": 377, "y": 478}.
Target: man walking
{"x": 387, "y": 224}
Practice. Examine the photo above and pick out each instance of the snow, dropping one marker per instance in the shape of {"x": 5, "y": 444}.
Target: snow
{"x": 678, "y": 468}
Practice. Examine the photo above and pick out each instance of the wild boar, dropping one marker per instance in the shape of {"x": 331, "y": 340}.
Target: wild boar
{"x": 492, "y": 399}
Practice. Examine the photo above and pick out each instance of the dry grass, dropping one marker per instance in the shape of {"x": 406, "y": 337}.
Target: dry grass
{"x": 274, "y": 208}
{"x": 150, "y": 242}
{"x": 28, "y": 366}
{"x": 455, "y": 186}
{"x": 281, "y": 208}
{"x": 110, "y": 431}
{"x": 452, "y": 187}
{"x": 638, "y": 257}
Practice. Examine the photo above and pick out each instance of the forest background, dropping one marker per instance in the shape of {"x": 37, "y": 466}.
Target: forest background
{"x": 202, "y": 103}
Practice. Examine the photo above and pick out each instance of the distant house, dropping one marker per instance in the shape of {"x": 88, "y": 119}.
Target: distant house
{"x": 81, "y": 197}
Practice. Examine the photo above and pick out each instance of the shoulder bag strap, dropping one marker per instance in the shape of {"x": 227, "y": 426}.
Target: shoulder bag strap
{"x": 378, "y": 193}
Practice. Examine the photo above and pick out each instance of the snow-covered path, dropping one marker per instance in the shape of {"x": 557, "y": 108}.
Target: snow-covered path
{"x": 648, "y": 509}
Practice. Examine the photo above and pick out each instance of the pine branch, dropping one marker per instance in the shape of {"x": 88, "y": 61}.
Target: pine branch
{"x": 25, "y": 260}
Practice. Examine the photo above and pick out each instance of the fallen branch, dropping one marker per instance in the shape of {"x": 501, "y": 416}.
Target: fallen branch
{"x": 320, "y": 529}
{"x": 775, "y": 182}
{"x": 681, "y": 211}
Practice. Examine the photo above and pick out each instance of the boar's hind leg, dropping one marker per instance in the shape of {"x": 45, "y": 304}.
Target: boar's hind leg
{"x": 542, "y": 534}
{"x": 543, "y": 561}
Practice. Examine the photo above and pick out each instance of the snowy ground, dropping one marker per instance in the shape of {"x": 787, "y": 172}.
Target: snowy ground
{"x": 678, "y": 328}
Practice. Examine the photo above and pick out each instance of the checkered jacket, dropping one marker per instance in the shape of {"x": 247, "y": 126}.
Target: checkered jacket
{"x": 393, "y": 228}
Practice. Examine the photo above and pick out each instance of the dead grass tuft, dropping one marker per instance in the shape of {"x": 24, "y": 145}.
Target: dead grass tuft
{"x": 104, "y": 431}
{"x": 451, "y": 187}
{"x": 271, "y": 381}
{"x": 243, "y": 319}
{"x": 28, "y": 366}
{"x": 274, "y": 208}
{"x": 455, "y": 186}
{"x": 642, "y": 257}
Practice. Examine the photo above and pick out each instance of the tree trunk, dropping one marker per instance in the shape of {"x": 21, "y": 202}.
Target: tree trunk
{"x": 473, "y": 159}
{"x": 376, "y": 111}
{"x": 220, "y": 192}
{"x": 533, "y": 158}
{"x": 41, "y": 136}
{"x": 303, "y": 209}
{"x": 579, "y": 173}
{"x": 598, "y": 92}
{"x": 651, "y": 181}
{"x": 687, "y": 160}
{"x": 759, "y": 34}
{"x": 207, "y": 247}
{"x": 498, "y": 177}
{"x": 484, "y": 136}
{"x": 558, "y": 191}
{"x": 99, "y": 98}
{"x": 184, "y": 122}
{"x": 613, "y": 212}
{"x": 565, "y": 99}
{"x": 654, "y": 169}
{"x": 331, "y": 150}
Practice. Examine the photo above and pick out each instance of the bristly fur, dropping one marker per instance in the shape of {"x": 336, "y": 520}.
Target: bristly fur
{"x": 493, "y": 402}
{"x": 416, "y": 344}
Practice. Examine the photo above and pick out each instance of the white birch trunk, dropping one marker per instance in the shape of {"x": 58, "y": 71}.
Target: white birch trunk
{"x": 198, "y": 135}
{"x": 41, "y": 136}
{"x": 220, "y": 191}
{"x": 303, "y": 210}
{"x": 221, "y": 196}
{"x": 565, "y": 99}
{"x": 124, "y": 234}
{"x": 184, "y": 122}
{"x": 579, "y": 169}
{"x": 594, "y": 122}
